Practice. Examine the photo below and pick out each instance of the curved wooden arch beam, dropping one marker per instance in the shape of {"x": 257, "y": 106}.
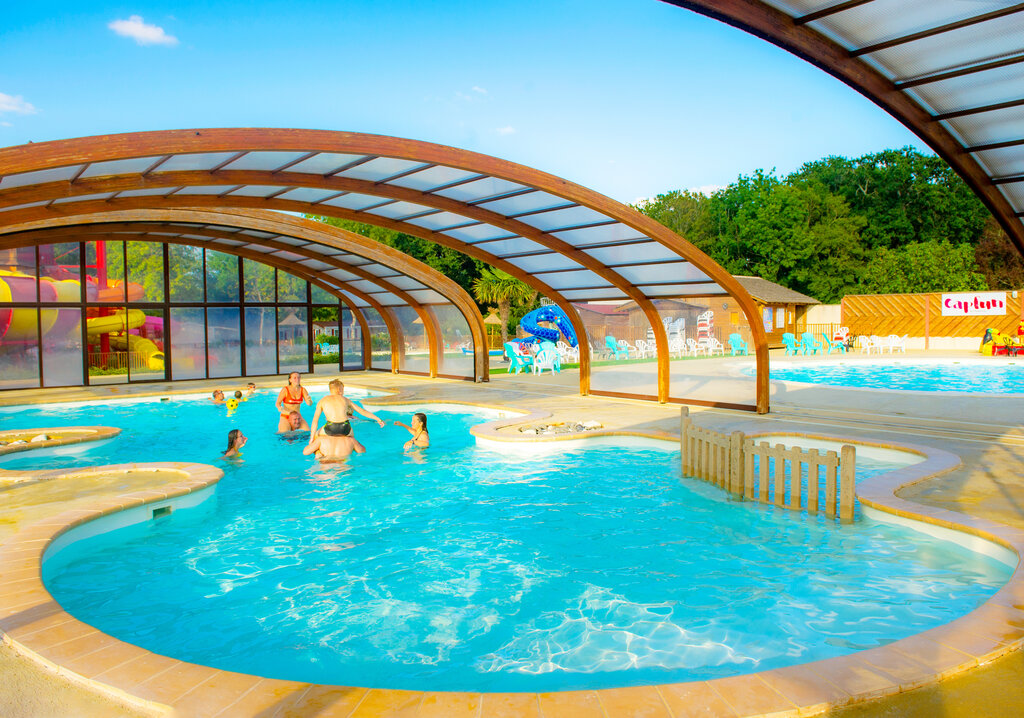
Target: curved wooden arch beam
{"x": 47, "y": 155}
{"x": 314, "y": 232}
{"x": 789, "y": 33}
{"x": 307, "y": 230}
{"x": 278, "y": 263}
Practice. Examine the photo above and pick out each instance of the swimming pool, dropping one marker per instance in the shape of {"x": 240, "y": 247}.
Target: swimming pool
{"x": 968, "y": 376}
{"x": 460, "y": 568}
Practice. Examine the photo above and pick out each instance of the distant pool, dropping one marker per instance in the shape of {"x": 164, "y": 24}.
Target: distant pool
{"x": 463, "y": 568}
{"x": 970, "y": 376}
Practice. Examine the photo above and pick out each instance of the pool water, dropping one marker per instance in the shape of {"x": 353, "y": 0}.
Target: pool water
{"x": 968, "y": 377}
{"x": 461, "y": 568}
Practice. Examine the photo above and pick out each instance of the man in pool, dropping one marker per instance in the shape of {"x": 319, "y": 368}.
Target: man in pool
{"x": 334, "y": 447}
{"x": 337, "y": 409}
{"x": 295, "y": 422}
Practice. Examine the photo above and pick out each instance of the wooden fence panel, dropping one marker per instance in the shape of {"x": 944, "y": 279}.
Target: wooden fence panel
{"x": 885, "y": 314}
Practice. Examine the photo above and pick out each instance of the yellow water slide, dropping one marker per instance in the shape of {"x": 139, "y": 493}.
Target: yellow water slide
{"x": 117, "y": 326}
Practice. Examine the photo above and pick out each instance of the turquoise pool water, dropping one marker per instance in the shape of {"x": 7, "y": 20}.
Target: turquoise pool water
{"x": 970, "y": 377}
{"x": 461, "y": 568}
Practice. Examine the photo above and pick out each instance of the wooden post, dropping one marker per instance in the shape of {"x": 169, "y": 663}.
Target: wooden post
{"x": 780, "y": 475}
{"x": 927, "y": 318}
{"x": 812, "y": 481}
{"x": 736, "y": 462}
{"x": 848, "y": 470}
{"x": 684, "y": 430}
{"x": 748, "y": 469}
{"x": 831, "y": 469}
{"x": 795, "y": 476}
{"x": 763, "y": 488}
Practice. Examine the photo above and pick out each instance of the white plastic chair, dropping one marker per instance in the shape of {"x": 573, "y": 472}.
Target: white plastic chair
{"x": 897, "y": 343}
{"x": 641, "y": 349}
{"x": 568, "y": 353}
{"x": 677, "y": 348}
{"x": 715, "y": 346}
{"x": 696, "y": 348}
{"x": 545, "y": 359}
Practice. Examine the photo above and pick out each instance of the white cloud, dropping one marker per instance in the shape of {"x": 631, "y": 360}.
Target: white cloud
{"x": 142, "y": 33}
{"x": 481, "y": 90}
{"x": 506, "y": 130}
{"x": 6, "y": 124}
{"x": 707, "y": 190}
{"x": 16, "y": 104}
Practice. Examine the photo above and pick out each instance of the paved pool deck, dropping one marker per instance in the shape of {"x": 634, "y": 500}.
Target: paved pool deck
{"x": 986, "y": 483}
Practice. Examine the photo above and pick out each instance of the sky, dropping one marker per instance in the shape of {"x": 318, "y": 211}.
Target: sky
{"x": 632, "y": 98}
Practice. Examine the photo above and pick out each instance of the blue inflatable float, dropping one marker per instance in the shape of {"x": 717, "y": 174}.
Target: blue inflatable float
{"x": 553, "y": 315}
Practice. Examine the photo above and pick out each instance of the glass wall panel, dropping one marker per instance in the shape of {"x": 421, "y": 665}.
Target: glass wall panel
{"x": 415, "y": 355}
{"x": 18, "y": 280}
{"x": 62, "y": 346}
{"x": 61, "y": 272}
{"x": 224, "y": 341}
{"x": 188, "y": 339}
{"x": 457, "y": 341}
{"x": 185, "y": 270}
{"x": 380, "y": 340}
{"x": 293, "y": 339}
{"x": 290, "y": 288}
{"x": 351, "y": 340}
{"x": 326, "y": 340}
{"x": 622, "y": 358}
{"x": 144, "y": 341}
{"x": 259, "y": 282}
{"x": 705, "y": 333}
{"x": 107, "y": 356}
{"x": 104, "y": 271}
{"x": 321, "y": 296}
{"x": 260, "y": 340}
{"x": 19, "y": 348}
{"x": 145, "y": 272}
{"x": 221, "y": 277}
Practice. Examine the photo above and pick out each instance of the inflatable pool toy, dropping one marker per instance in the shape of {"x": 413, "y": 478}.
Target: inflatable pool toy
{"x": 553, "y": 315}
{"x": 995, "y": 343}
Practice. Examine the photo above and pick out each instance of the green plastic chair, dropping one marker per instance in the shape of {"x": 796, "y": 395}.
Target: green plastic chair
{"x": 789, "y": 339}
{"x": 737, "y": 345}
{"x": 808, "y": 344}
{"x": 615, "y": 348}
{"x": 519, "y": 362}
{"x": 833, "y": 346}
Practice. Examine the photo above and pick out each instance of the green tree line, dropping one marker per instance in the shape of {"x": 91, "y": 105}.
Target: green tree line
{"x": 888, "y": 222}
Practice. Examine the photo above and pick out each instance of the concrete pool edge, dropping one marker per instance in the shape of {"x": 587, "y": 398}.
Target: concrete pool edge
{"x": 992, "y": 630}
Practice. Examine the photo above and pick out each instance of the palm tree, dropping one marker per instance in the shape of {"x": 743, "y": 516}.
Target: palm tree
{"x": 494, "y": 286}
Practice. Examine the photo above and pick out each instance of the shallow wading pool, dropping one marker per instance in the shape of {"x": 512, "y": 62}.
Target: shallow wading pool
{"x": 465, "y": 568}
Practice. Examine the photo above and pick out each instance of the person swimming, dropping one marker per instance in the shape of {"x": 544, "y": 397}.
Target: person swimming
{"x": 330, "y": 447}
{"x": 236, "y": 440}
{"x": 289, "y": 400}
{"x": 338, "y": 410}
{"x": 250, "y": 390}
{"x": 418, "y": 429}
{"x": 218, "y": 397}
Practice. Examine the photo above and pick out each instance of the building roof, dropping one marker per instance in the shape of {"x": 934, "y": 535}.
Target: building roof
{"x": 771, "y": 293}
{"x": 604, "y": 309}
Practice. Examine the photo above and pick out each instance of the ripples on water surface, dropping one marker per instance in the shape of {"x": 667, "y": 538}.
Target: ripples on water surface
{"x": 460, "y": 568}
{"x": 966, "y": 377}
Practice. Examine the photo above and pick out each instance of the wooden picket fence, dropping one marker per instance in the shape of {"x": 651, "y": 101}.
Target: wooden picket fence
{"x": 728, "y": 461}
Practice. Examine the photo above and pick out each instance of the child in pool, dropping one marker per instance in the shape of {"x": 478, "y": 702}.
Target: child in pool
{"x": 236, "y": 440}
{"x": 418, "y": 429}
{"x": 218, "y": 397}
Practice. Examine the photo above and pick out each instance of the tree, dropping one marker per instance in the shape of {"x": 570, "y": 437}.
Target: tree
{"x": 923, "y": 267}
{"x": 998, "y": 259}
{"x": 494, "y": 286}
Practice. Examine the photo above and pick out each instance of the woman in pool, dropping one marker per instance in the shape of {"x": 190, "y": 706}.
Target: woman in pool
{"x": 236, "y": 440}
{"x": 418, "y": 429}
{"x": 290, "y": 399}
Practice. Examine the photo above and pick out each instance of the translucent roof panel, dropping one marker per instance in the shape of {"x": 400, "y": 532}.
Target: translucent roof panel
{"x": 593, "y": 294}
{"x": 324, "y": 163}
{"x": 662, "y": 272}
{"x": 193, "y": 162}
{"x": 481, "y": 189}
{"x": 433, "y": 178}
{"x": 683, "y": 290}
{"x": 118, "y": 167}
{"x": 59, "y": 174}
{"x": 573, "y": 279}
{"x": 379, "y": 169}
{"x": 527, "y": 202}
{"x": 544, "y": 262}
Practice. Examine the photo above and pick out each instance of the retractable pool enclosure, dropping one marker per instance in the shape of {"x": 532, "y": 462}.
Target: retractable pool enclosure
{"x": 574, "y": 246}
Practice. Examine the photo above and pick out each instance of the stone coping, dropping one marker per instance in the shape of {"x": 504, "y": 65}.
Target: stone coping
{"x": 37, "y": 626}
{"x": 65, "y": 436}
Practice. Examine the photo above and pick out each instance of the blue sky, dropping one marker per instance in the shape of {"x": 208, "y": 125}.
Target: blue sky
{"x": 629, "y": 97}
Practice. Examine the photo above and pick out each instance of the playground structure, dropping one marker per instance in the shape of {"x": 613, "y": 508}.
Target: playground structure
{"x": 117, "y": 338}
